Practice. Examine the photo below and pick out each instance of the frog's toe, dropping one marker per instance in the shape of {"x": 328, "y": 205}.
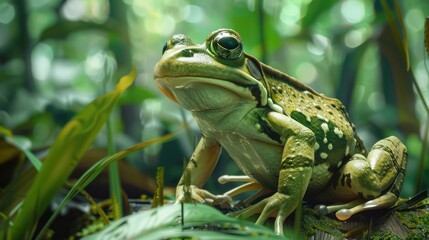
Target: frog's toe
{"x": 276, "y": 203}
{"x": 342, "y": 211}
{"x": 387, "y": 200}
{"x": 322, "y": 209}
{"x": 280, "y": 219}
{"x": 272, "y": 204}
{"x": 384, "y": 201}
{"x": 194, "y": 195}
{"x": 214, "y": 200}
{"x": 202, "y": 196}
{"x": 326, "y": 209}
{"x": 221, "y": 200}
{"x": 343, "y": 214}
{"x": 345, "y": 211}
{"x": 381, "y": 202}
{"x": 249, "y": 211}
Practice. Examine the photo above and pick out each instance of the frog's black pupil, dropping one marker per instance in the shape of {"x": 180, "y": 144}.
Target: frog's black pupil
{"x": 228, "y": 42}
{"x": 164, "y": 48}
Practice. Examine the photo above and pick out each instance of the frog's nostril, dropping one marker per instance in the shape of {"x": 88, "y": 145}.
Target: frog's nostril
{"x": 187, "y": 53}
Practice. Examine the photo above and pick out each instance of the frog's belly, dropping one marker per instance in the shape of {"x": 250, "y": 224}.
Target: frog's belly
{"x": 320, "y": 178}
{"x": 261, "y": 161}
{"x": 257, "y": 159}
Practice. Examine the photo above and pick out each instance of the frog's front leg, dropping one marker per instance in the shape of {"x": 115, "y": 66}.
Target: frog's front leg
{"x": 197, "y": 171}
{"x": 377, "y": 178}
{"x": 297, "y": 162}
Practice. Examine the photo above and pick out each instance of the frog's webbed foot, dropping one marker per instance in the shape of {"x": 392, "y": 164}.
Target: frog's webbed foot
{"x": 195, "y": 194}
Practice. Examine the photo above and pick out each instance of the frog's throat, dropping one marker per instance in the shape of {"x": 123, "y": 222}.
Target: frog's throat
{"x": 167, "y": 85}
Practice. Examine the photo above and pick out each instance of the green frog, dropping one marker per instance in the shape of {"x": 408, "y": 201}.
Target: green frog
{"x": 291, "y": 142}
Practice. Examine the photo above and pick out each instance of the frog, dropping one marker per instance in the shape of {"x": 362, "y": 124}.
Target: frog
{"x": 291, "y": 142}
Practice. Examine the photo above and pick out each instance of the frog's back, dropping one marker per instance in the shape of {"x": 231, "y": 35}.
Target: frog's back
{"x": 325, "y": 117}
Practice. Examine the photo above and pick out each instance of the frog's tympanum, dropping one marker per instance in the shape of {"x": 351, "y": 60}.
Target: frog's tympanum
{"x": 290, "y": 141}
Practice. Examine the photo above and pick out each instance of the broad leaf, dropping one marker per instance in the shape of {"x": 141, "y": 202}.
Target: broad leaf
{"x": 197, "y": 221}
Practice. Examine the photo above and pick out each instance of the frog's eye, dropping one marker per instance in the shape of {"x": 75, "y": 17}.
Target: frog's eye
{"x": 227, "y": 45}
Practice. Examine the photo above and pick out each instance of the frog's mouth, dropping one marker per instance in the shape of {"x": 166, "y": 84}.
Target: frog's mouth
{"x": 168, "y": 84}
{"x": 202, "y": 93}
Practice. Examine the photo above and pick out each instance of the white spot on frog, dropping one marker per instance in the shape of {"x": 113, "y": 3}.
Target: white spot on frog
{"x": 322, "y": 118}
{"x": 258, "y": 126}
{"x": 330, "y": 146}
{"x": 323, "y": 155}
{"x": 339, "y": 133}
{"x": 316, "y": 146}
{"x": 324, "y": 127}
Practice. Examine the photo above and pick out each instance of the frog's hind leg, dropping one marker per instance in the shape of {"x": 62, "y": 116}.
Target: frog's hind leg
{"x": 378, "y": 177}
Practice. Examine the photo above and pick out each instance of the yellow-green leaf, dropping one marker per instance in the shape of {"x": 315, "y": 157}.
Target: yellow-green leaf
{"x": 63, "y": 156}
{"x": 5, "y": 132}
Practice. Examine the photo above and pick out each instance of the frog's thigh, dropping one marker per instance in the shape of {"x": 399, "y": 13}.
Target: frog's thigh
{"x": 382, "y": 170}
{"x": 378, "y": 176}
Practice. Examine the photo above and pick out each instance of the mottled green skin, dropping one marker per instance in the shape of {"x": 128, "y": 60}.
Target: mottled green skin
{"x": 336, "y": 139}
{"x": 281, "y": 133}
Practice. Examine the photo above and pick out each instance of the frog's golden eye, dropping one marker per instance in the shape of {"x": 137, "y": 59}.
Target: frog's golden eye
{"x": 227, "y": 45}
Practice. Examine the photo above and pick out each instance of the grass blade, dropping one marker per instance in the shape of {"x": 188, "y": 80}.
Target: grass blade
{"x": 396, "y": 34}
{"x": 427, "y": 35}
{"x": 114, "y": 178}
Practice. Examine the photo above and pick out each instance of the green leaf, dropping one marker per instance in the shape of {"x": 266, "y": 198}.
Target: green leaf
{"x": 402, "y": 42}
{"x": 61, "y": 29}
{"x": 5, "y": 132}
{"x": 397, "y": 82}
{"x": 63, "y": 156}
{"x": 314, "y": 10}
{"x": 199, "y": 222}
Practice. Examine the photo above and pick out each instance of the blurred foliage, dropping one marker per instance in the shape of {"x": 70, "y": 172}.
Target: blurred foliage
{"x": 58, "y": 55}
